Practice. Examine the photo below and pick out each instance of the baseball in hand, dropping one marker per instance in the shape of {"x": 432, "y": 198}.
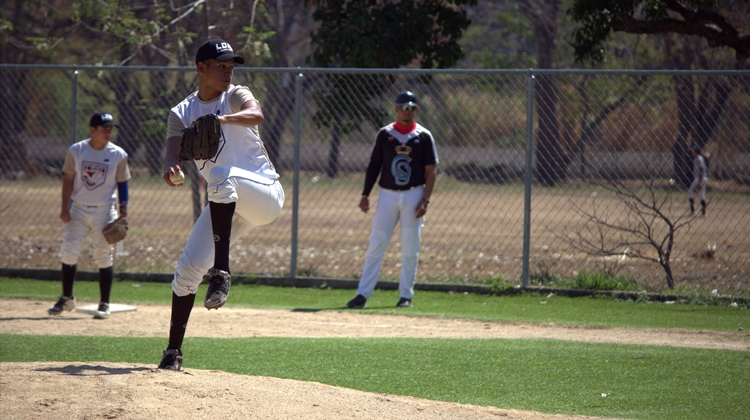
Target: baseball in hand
{"x": 178, "y": 178}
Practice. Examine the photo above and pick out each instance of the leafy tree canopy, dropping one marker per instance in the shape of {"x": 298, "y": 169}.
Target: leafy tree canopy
{"x": 723, "y": 23}
{"x": 388, "y": 34}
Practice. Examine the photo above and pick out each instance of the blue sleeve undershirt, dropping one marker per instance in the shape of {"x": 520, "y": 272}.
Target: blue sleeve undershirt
{"x": 122, "y": 192}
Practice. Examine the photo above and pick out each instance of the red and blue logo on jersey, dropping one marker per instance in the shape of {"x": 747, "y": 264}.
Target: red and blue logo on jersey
{"x": 93, "y": 174}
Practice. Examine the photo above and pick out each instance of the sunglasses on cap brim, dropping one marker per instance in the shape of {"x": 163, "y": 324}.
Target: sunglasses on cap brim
{"x": 407, "y": 107}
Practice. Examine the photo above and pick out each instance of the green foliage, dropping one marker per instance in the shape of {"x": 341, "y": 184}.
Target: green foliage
{"x": 721, "y": 24}
{"x": 587, "y": 281}
{"x": 497, "y": 284}
{"x": 599, "y": 280}
{"x": 602, "y": 281}
{"x": 503, "y": 40}
{"x": 379, "y": 34}
{"x": 545, "y": 277}
{"x": 388, "y": 34}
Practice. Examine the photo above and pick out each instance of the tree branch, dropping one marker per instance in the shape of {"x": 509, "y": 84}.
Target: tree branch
{"x": 715, "y": 33}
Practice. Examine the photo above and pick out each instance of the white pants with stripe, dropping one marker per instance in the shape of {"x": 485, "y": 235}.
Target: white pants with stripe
{"x": 84, "y": 221}
{"x": 259, "y": 202}
{"x": 394, "y": 207}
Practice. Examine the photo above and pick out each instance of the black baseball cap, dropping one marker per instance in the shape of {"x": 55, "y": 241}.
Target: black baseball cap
{"x": 219, "y": 50}
{"x": 102, "y": 118}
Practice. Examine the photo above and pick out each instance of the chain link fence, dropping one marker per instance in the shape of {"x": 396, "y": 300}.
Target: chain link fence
{"x": 542, "y": 175}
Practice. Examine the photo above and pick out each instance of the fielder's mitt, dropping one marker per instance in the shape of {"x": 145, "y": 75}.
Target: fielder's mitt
{"x": 116, "y": 230}
{"x": 203, "y": 142}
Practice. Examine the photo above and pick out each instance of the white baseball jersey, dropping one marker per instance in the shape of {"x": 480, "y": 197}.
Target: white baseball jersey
{"x": 240, "y": 173}
{"x": 97, "y": 172}
{"x": 700, "y": 171}
{"x": 245, "y": 152}
{"x": 700, "y": 177}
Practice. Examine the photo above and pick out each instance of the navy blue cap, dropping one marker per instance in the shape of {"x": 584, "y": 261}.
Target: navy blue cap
{"x": 406, "y": 97}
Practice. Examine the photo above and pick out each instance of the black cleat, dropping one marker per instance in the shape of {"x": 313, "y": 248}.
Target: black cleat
{"x": 358, "y": 302}
{"x": 102, "y": 312}
{"x": 218, "y": 288}
{"x": 63, "y": 304}
{"x": 403, "y": 303}
{"x": 171, "y": 360}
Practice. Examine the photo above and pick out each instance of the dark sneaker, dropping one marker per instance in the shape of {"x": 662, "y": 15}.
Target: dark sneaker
{"x": 102, "y": 312}
{"x": 218, "y": 288}
{"x": 358, "y": 302}
{"x": 63, "y": 304}
{"x": 403, "y": 303}
{"x": 171, "y": 360}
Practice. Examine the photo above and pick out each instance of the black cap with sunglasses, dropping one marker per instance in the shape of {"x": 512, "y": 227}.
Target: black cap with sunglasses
{"x": 406, "y": 99}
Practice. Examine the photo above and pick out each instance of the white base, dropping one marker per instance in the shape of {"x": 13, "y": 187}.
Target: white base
{"x": 113, "y": 307}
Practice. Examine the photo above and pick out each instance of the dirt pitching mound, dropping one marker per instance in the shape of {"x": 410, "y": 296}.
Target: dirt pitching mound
{"x": 129, "y": 391}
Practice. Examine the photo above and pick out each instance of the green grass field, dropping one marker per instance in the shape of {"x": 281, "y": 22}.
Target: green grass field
{"x": 551, "y": 376}
{"x": 591, "y": 311}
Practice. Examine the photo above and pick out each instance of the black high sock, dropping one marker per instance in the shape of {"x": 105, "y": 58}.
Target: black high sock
{"x": 68, "y": 278}
{"x": 692, "y": 205}
{"x": 221, "y": 222}
{"x": 703, "y": 207}
{"x": 106, "y": 276}
{"x": 181, "y": 308}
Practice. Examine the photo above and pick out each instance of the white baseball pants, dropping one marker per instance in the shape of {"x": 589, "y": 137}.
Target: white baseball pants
{"x": 258, "y": 203}
{"x": 83, "y": 221}
{"x": 694, "y": 185}
{"x": 394, "y": 207}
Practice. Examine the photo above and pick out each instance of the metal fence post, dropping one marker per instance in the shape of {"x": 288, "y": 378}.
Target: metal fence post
{"x": 295, "y": 193}
{"x": 73, "y": 106}
{"x": 527, "y": 187}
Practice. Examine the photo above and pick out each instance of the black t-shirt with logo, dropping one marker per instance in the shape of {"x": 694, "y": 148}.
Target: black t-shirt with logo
{"x": 399, "y": 159}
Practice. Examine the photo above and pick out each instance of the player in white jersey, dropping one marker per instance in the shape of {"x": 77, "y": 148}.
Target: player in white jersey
{"x": 94, "y": 170}
{"x": 405, "y": 158}
{"x": 700, "y": 179}
{"x": 243, "y": 187}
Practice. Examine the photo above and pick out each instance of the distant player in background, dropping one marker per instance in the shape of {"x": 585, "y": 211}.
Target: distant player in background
{"x": 94, "y": 170}
{"x": 243, "y": 187}
{"x": 700, "y": 179}
{"x": 405, "y": 158}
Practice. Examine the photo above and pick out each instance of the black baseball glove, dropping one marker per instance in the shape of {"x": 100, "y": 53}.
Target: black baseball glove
{"x": 203, "y": 142}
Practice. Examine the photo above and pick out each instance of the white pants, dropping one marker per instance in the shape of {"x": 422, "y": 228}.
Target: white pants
{"x": 694, "y": 185}
{"x": 83, "y": 221}
{"x": 257, "y": 204}
{"x": 394, "y": 207}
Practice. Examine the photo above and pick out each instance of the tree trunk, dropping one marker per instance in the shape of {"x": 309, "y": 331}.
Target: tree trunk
{"x": 552, "y": 161}
{"x": 14, "y": 152}
{"x": 683, "y": 86}
{"x": 711, "y": 104}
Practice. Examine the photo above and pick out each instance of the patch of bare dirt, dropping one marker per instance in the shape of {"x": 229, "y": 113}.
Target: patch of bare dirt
{"x": 108, "y": 390}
